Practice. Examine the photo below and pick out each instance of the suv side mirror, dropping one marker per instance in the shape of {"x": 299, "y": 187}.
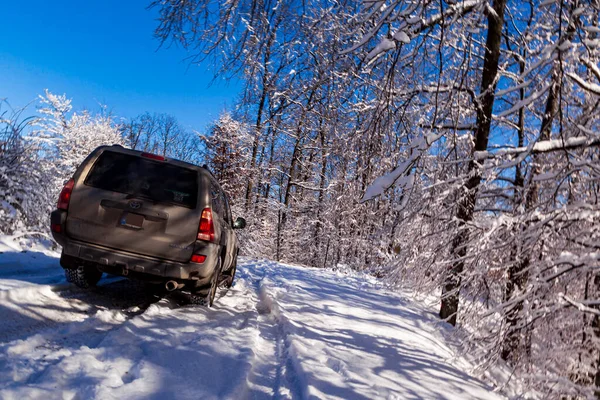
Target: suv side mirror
{"x": 240, "y": 223}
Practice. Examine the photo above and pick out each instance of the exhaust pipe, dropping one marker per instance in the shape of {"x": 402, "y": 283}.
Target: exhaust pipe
{"x": 172, "y": 285}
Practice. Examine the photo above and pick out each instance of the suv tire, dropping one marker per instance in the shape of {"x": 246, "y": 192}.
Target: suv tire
{"x": 230, "y": 274}
{"x": 207, "y": 296}
{"x": 82, "y": 276}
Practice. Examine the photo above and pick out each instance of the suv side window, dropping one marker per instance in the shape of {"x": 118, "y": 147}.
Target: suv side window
{"x": 228, "y": 209}
{"x": 219, "y": 202}
{"x": 215, "y": 195}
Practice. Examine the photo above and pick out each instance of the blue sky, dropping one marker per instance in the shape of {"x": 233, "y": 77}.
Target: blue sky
{"x": 103, "y": 52}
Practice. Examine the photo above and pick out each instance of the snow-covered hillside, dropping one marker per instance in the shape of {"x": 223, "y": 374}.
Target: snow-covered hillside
{"x": 281, "y": 332}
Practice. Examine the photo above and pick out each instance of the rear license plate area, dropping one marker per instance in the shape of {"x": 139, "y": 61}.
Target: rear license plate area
{"x": 131, "y": 220}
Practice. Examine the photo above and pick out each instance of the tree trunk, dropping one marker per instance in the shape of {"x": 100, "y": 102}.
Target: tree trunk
{"x": 257, "y": 129}
{"x": 318, "y": 225}
{"x": 282, "y": 219}
{"x": 466, "y": 205}
{"x": 259, "y": 113}
{"x": 518, "y": 274}
{"x": 515, "y": 278}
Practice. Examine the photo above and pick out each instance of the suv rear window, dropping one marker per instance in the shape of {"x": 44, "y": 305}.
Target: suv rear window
{"x": 141, "y": 177}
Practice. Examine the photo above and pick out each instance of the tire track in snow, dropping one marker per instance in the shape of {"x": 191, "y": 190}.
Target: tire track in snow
{"x": 203, "y": 352}
{"x": 61, "y": 327}
{"x": 260, "y": 381}
{"x": 45, "y": 323}
{"x": 259, "y": 341}
{"x": 89, "y": 334}
{"x": 277, "y": 367}
{"x": 59, "y": 364}
{"x": 34, "y": 308}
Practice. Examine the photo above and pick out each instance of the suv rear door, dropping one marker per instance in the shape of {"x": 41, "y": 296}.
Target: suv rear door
{"x": 136, "y": 204}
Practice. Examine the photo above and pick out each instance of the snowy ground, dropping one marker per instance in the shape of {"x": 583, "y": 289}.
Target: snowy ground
{"x": 281, "y": 332}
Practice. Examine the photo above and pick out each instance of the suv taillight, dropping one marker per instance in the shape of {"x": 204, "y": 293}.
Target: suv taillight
{"x": 206, "y": 230}
{"x": 154, "y": 156}
{"x": 198, "y": 258}
{"x": 65, "y": 195}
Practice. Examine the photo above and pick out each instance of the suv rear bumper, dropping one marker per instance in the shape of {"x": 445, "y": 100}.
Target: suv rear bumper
{"x": 138, "y": 266}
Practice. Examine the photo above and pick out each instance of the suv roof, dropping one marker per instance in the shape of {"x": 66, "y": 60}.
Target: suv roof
{"x": 120, "y": 149}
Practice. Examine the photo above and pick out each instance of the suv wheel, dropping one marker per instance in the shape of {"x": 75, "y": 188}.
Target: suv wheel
{"x": 83, "y": 276}
{"x": 231, "y": 274}
{"x": 214, "y": 283}
{"x": 207, "y": 296}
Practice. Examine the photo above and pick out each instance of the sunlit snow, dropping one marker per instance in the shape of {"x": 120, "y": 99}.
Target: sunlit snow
{"x": 281, "y": 332}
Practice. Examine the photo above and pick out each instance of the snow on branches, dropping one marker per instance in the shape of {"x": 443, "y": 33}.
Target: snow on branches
{"x": 39, "y": 153}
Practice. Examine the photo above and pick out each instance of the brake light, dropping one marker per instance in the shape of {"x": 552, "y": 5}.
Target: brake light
{"x": 153, "y": 156}
{"x": 65, "y": 195}
{"x": 198, "y": 259}
{"x": 56, "y": 228}
{"x": 206, "y": 230}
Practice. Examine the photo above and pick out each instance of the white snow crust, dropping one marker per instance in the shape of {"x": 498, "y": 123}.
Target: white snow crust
{"x": 401, "y": 36}
{"x": 383, "y": 46}
{"x": 281, "y": 332}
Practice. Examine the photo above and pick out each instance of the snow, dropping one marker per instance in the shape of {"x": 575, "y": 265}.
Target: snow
{"x": 282, "y": 331}
{"x": 522, "y": 85}
{"x": 592, "y": 29}
{"x": 591, "y": 87}
{"x": 525, "y": 102}
{"x": 399, "y": 176}
{"x": 545, "y": 176}
{"x": 401, "y": 36}
{"x": 593, "y": 67}
{"x": 383, "y": 46}
{"x": 490, "y": 10}
{"x": 567, "y": 44}
{"x": 394, "y": 178}
{"x": 592, "y": 43}
{"x": 542, "y": 147}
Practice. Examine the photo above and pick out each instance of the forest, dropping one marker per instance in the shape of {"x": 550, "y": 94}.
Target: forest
{"x": 448, "y": 147}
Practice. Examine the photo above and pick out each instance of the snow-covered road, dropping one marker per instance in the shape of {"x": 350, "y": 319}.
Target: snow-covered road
{"x": 281, "y": 332}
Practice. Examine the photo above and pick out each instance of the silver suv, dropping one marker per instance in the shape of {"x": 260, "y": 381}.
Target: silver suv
{"x": 146, "y": 217}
